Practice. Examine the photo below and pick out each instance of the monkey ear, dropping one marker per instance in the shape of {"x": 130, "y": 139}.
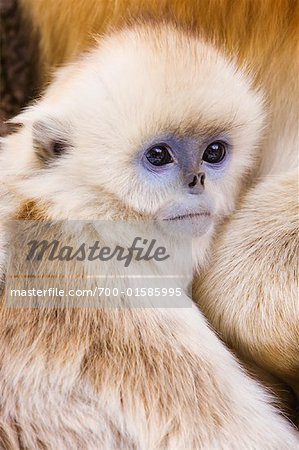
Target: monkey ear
{"x": 51, "y": 139}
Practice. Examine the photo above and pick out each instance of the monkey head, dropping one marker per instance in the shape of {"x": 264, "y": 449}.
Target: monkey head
{"x": 152, "y": 123}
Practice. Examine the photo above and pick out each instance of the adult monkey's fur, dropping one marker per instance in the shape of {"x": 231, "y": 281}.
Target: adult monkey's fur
{"x": 264, "y": 33}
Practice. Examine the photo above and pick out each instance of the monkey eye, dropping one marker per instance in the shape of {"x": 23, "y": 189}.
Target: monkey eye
{"x": 214, "y": 153}
{"x": 159, "y": 155}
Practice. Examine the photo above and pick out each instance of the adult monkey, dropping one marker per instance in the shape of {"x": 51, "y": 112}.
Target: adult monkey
{"x": 264, "y": 33}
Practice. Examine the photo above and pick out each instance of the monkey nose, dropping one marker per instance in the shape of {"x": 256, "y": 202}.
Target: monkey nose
{"x": 196, "y": 183}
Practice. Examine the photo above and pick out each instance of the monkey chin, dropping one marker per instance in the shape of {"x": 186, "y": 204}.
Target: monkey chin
{"x": 189, "y": 216}
{"x": 194, "y": 229}
{"x": 189, "y": 224}
{"x": 195, "y": 224}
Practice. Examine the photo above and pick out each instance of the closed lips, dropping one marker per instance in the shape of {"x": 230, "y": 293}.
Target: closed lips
{"x": 189, "y": 216}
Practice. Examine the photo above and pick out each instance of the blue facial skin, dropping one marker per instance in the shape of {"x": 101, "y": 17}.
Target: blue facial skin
{"x": 216, "y": 171}
{"x": 187, "y": 153}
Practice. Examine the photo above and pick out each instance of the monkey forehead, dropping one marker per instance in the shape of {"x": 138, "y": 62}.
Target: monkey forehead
{"x": 157, "y": 72}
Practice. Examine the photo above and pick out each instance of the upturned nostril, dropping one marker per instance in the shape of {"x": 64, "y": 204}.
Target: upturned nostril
{"x": 193, "y": 182}
{"x": 202, "y": 178}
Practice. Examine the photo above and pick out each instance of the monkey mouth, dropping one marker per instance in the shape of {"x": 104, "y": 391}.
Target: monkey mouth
{"x": 190, "y": 216}
{"x": 189, "y": 223}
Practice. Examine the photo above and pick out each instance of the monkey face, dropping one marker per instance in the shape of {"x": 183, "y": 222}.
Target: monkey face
{"x": 152, "y": 123}
{"x": 186, "y": 161}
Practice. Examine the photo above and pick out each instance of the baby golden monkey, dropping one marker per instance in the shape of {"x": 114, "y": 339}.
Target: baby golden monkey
{"x": 264, "y": 34}
{"x": 95, "y": 147}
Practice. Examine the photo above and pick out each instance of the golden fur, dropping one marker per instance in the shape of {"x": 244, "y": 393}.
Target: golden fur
{"x": 128, "y": 378}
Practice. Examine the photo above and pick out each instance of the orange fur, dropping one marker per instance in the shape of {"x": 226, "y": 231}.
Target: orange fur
{"x": 264, "y": 32}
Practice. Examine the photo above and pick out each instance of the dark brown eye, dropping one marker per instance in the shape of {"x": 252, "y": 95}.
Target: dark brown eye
{"x": 159, "y": 155}
{"x": 214, "y": 153}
